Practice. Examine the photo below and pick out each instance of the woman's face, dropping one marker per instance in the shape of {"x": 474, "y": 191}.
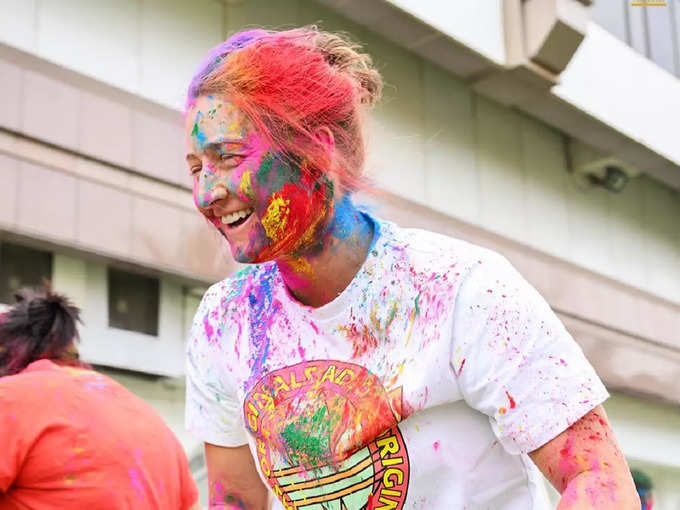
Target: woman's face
{"x": 265, "y": 205}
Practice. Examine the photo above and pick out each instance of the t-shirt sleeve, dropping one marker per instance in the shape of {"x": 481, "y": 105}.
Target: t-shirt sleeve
{"x": 515, "y": 361}
{"x": 213, "y": 411}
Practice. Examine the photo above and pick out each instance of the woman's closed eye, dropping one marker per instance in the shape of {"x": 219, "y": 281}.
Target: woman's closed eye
{"x": 232, "y": 159}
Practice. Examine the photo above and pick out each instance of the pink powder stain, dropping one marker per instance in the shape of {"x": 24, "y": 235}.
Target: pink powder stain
{"x": 436, "y": 445}
{"x": 462, "y": 364}
{"x": 570, "y": 495}
{"x": 301, "y": 351}
{"x": 209, "y": 331}
{"x": 567, "y": 465}
{"x": 136, "y": 482}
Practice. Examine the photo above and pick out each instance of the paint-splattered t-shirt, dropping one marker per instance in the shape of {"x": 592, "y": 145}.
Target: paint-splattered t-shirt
{"x": 74, "y": 439}
{"x": 423, "y": 385}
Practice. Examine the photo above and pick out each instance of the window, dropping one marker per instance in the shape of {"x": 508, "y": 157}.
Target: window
{"x": 21, "y": 266}
{"x": 133, "y": 302}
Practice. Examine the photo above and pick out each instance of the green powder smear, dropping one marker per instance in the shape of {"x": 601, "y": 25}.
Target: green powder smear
{"x": 308, "y": 439}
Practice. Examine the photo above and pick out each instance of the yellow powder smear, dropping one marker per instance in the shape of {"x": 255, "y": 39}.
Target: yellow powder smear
{"x": 300, "y": 266}
{"x": 245, "y": 187}
{"x": 276, "y": 217}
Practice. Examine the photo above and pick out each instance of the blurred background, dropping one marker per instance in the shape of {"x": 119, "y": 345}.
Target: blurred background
{"x": 548, "y": 130}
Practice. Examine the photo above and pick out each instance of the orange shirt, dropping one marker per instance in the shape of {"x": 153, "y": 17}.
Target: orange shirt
{"x": 71, "y": 438}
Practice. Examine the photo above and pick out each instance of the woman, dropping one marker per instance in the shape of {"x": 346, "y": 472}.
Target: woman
{"x": 72, "y": 438}
{"x": 354, "y": 364}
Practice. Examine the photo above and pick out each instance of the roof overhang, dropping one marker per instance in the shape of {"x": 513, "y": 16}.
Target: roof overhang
{"x": 540, "y": 39}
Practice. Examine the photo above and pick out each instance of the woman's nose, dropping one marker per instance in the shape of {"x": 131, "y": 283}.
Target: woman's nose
{"x": 210, "y": 189}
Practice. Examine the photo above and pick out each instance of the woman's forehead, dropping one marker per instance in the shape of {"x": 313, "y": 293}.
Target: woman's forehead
{"x": 212, "y": 120}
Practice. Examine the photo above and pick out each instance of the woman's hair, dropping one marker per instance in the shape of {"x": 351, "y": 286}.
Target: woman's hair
{"x": 41, "y": 324}
{"x": 292, "y": 83}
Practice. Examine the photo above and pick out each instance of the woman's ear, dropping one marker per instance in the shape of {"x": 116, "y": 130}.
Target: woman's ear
{"x": 326, "y": 139}
{"x": 325, "y": 136}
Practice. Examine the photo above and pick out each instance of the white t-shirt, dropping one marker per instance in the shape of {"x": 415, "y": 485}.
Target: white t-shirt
{"x": 423, "y": 385}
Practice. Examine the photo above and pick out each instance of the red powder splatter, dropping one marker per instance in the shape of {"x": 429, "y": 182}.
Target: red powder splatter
{"x": 435, "y": 445}
{"x": 301, "y": 350}
{"x": 462, "y": 364}
{"x": 489, "y": 291}
{"x": 511, "y": 400}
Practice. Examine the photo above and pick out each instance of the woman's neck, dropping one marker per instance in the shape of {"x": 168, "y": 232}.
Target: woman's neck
{"x": 319, "y": 275}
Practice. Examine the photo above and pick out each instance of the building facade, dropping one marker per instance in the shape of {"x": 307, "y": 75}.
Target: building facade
{"x": 544, "y": 129}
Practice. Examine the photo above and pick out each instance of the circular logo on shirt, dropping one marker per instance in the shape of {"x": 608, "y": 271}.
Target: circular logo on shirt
{"x": 327, "y": 437}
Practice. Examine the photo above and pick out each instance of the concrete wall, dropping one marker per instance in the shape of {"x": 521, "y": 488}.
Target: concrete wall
{"x": 86, "y": 282}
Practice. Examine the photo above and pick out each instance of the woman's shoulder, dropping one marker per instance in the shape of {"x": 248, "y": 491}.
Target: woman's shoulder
{"x": 436, "y": 252}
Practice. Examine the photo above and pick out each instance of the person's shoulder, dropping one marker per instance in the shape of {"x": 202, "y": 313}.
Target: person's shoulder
{"x": 435, "y": 252}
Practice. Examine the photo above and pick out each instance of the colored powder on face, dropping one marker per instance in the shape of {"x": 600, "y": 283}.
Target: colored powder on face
{"x": 246, "y": 186}
{"x": 197, "y": 133}
{"x": 300, "y": 266}
{"x": 275, "y": 218}
{"x": 232, "y": 500}
{"x": 343, "y": 219}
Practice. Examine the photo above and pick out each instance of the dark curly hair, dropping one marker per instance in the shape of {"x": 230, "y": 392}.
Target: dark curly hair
{"x": 40, "y": 325}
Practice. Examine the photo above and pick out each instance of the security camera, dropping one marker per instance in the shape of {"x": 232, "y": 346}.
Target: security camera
{"x": 615, "y": 179}
{"x": 592, "y": 167}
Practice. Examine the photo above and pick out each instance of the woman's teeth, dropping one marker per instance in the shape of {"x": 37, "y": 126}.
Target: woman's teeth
{"x": 228, "y": 219}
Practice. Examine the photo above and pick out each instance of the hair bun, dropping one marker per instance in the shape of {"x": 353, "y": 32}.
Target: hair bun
{"x": 347, "y": 57}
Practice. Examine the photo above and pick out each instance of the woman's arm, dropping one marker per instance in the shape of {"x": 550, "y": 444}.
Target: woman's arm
{"x": 585, "y": 464}
{"x": 234, "y": 483}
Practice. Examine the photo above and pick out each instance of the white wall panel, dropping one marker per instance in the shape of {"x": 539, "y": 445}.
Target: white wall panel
{"x": 626, "y": 235}
{"x": 451, "y": 179}
{"x": 262, "y": 14}
{"x": 588, "y": 227}
{"x": 662, "y": 229}
{"x": 17, "y": 23}
{"x": 69, "y": 276}
{"x": 175, "y": 35}
{"x": 99, "y": 39}
{"x": 396, "y": 137}
{"x": 501, "y": 176}
{"x": 545, "y": 188}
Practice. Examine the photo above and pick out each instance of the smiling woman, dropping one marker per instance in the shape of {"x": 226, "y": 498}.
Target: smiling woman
{"x": 354, "y": 364}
